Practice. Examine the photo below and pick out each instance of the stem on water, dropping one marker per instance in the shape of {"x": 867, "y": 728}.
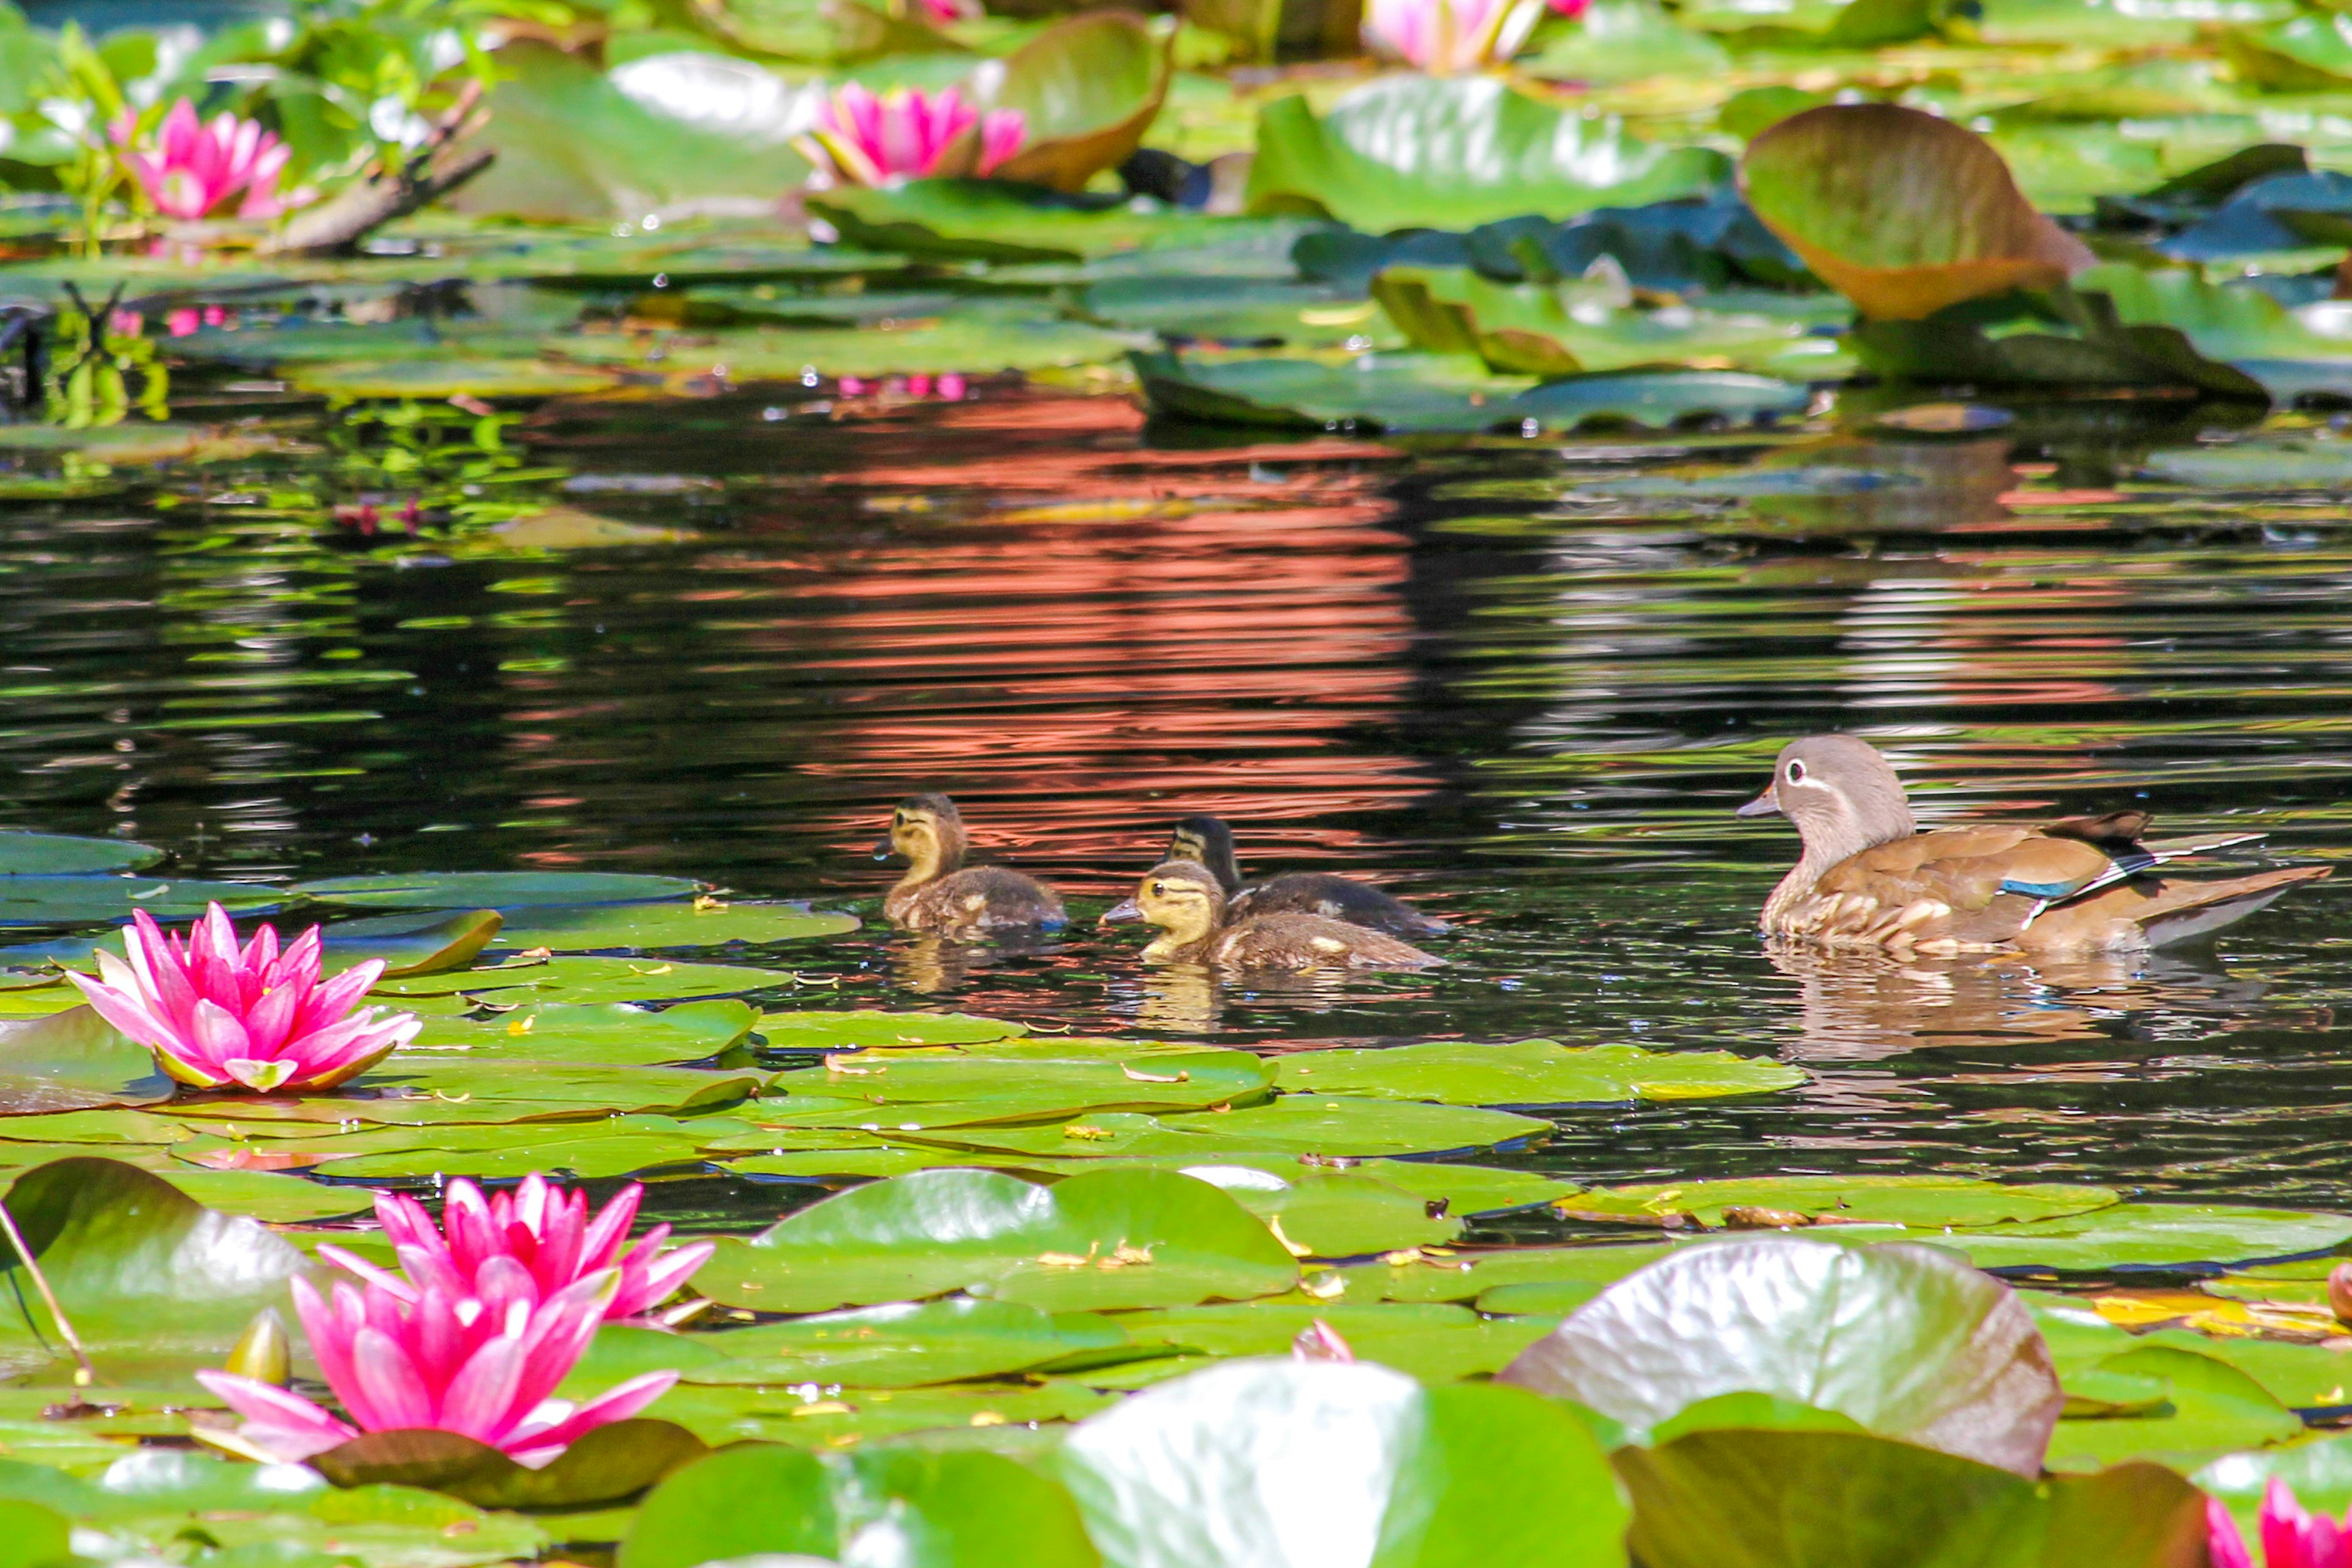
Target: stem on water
{"x": 84, "y": 1374}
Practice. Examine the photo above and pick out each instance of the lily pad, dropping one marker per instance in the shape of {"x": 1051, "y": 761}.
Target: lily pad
{"x": 935, "y": 1092}
{"x": 1920, "y": 1202}
{"x": 922, "y": 1509}
{"x": 641, "y": 928}
{"x": 1900, "y": 211}
{"x": 1087, "y": 89}
{"x": 521, "y": 981}
{"x": 2209, "y": 1407}
{"x": 1417, "y": 152}
{"x": 855, "y": 1031}
{"x": 97, "y": 900}
{"x": 503, "y": 890}
{"x": 1100, "y": 1240}
{"x": 1345, "y": 1213}
{"x": 1906, "y": 1340}
{"x": 56, "y": 855}
{"x": 904, "y": 1345}
{"x": 1259, "y": 1464}
{"x": 136, "y": 1262}
{"x": 608, "y": 1464}
{"x": 2192, "y": 1238}
{"x": 1799, "y": 1498}
{"x": 1531, "y": 1072}
{"x": 73, "y": 1060}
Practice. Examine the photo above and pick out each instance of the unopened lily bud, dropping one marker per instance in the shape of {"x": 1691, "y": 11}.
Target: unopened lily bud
{"x": 1318, "y": 1341}
{"x": 263, "y": 1352}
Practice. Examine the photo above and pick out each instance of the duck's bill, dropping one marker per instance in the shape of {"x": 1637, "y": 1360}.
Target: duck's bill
{"x": 1125, "y": 910}
{"x": 1765, "y": 805}
{"x": 883, "y": 851}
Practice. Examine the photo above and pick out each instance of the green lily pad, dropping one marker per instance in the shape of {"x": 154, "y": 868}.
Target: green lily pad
{"x": 1468, "y": 1274}
{"x": 1060, "y": 1249}
{"x": 904, "y": 1345}
{"x": 2193, "y": 1237}
{"x": 806, "y": 1416}
{"x": 137, "y": 1263}
{"x": 1356, "y": 1463}
{"x": 1919, "y": 1202}
{"x": 502, "y": 890}
{"x": 643, "y": 927}
{"x": 56, "y": 855}
{"x": 2210, "y": 1408}
{"x": 73, "y": 1060}
{"x": 1530, "y": 1072}
{"x": 1347, "y": 1214}
{"x": 266, "y": 1196}
{"x": 1798, "y": 1499}
{"x": 995, "y": 220}
{"x": 1435, "y": 1344}
{"x": 1087, "y": 87}
{"x": 523, "y": 981}
{"x": 1417, "y": 152}
{"x": 1907, "y": 1340}
{"x": 96, "y": 900}
{"x": 604, "y": 1033}
{"x": 855, "y": 1031}
{"x": 776, "y": 1504}
{"x": 408, "y": 1092}
{"x": 931, "y": 1093}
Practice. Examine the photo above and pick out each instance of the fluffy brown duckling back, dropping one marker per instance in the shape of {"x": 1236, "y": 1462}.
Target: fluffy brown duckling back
{"x": 1869, "y": 878}
{"x": 1184, "y": 900}
{"x": 940, "y": 894}
{"x": 1209, "y": 842}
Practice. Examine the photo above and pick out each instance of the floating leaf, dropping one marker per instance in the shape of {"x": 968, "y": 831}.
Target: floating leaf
{"x": 96, "y": 900}
{"x": 1797, "y": 1498}
{"x": 607, "y": 1464}
{"x": 1905, "y": 1340}
{"x": 73, "y": 1060}
{"x": 1100, "y": 1240}
{"x": 853, "y": 1031}
{"x": 2153, "y": 1236}
{"x": 1087, "y": 89}
{"x": 904, "y": 1344}
{"x": 1530, "y": 1072}
{"x": 926, "y": 1509}
{"x": 2209, "y": 1407}
{"x": 1263, "y": 1463}
{"x": 1406, "y": 151}
{"x": 1928, "y": 1202}
{"x": 1900, "y": 211}
{"x": 56, "y": 854}
{"x": 645, "y": 927}
{"x": 503, "y": 890}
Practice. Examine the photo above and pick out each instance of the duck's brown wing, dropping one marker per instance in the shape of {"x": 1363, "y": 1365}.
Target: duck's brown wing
{"x": 984, "y": 897}
{"x": 1335, "y": 898}
{"x": 2151, "y": 911}
{"x": 1974, "y": 886}
{"x": 1293, "y": 941}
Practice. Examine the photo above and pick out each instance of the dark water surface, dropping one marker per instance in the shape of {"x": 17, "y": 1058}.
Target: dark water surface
{"x": 1524, "y": 682}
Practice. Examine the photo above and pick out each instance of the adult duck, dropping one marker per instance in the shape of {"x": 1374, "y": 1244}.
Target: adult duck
{"x": 1187, "y": 902}
{"x": 941, "y": 894}
{"x": 1869, "y": 878}
{"x": 1207, "y": 841}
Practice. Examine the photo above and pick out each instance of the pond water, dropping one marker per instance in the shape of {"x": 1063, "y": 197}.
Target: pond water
{"x": 1524, "y": 682}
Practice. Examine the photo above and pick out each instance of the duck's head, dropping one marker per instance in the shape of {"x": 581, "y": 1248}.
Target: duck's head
{"x": 926, "y": 830}
{"x": 1207, "y": 841}
{"x": 1181, "y": 897}
{"x": 1842, "y": 794}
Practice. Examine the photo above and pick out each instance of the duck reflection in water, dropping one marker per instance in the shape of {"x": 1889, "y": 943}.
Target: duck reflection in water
{"x": 1861, "y": 1006}
{"x": 930, "y": 965}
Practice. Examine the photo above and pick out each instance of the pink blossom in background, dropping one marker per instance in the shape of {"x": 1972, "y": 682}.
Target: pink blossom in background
{"x": 1447, "y": 37}
{"x": 542, "y": 1228}
{"x": 2292, "y": 1536}
{"x": 126, "y": 323}
{"x": 904, "y": 133}
{"x": 216, "y": 1017}
{"x": 483, "y": 1366}
{"x": 941, "y": 13}
{"x": 187, "y": 319}
{"x": 189, "y": 170}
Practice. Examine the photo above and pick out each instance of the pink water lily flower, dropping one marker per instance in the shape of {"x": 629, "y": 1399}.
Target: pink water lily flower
{"x": 483, "y": 1366}
{"x": 258, "y": 1019}
{"x": 2292, "y": 1536}
{"x": 1446, "y": 37}
{"x": 541, "y": 1226}
{"x": 907, "y": 133}
{"x": 190, "y": 169}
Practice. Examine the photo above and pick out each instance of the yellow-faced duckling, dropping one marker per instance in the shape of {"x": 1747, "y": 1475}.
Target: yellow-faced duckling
{"x": 940, "y": 894}
{"x": 1209, "y": 842}
{"x": 1869, "y": 878}
{"x": 1183, "y": 898}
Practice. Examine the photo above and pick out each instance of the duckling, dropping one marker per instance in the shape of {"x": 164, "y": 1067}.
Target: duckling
{"x": 941, "y": 894}
{"x": 1869, "y": 878}
{"x": 1184, "y": 900}
{"x": 1207, "y": 839}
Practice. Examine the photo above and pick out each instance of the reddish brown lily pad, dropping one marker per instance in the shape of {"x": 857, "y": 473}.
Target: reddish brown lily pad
{"x": 606, "y": 1465}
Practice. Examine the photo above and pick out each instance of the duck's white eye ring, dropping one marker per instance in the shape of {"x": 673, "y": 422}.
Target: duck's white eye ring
{"x": 1796, "y": 773}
